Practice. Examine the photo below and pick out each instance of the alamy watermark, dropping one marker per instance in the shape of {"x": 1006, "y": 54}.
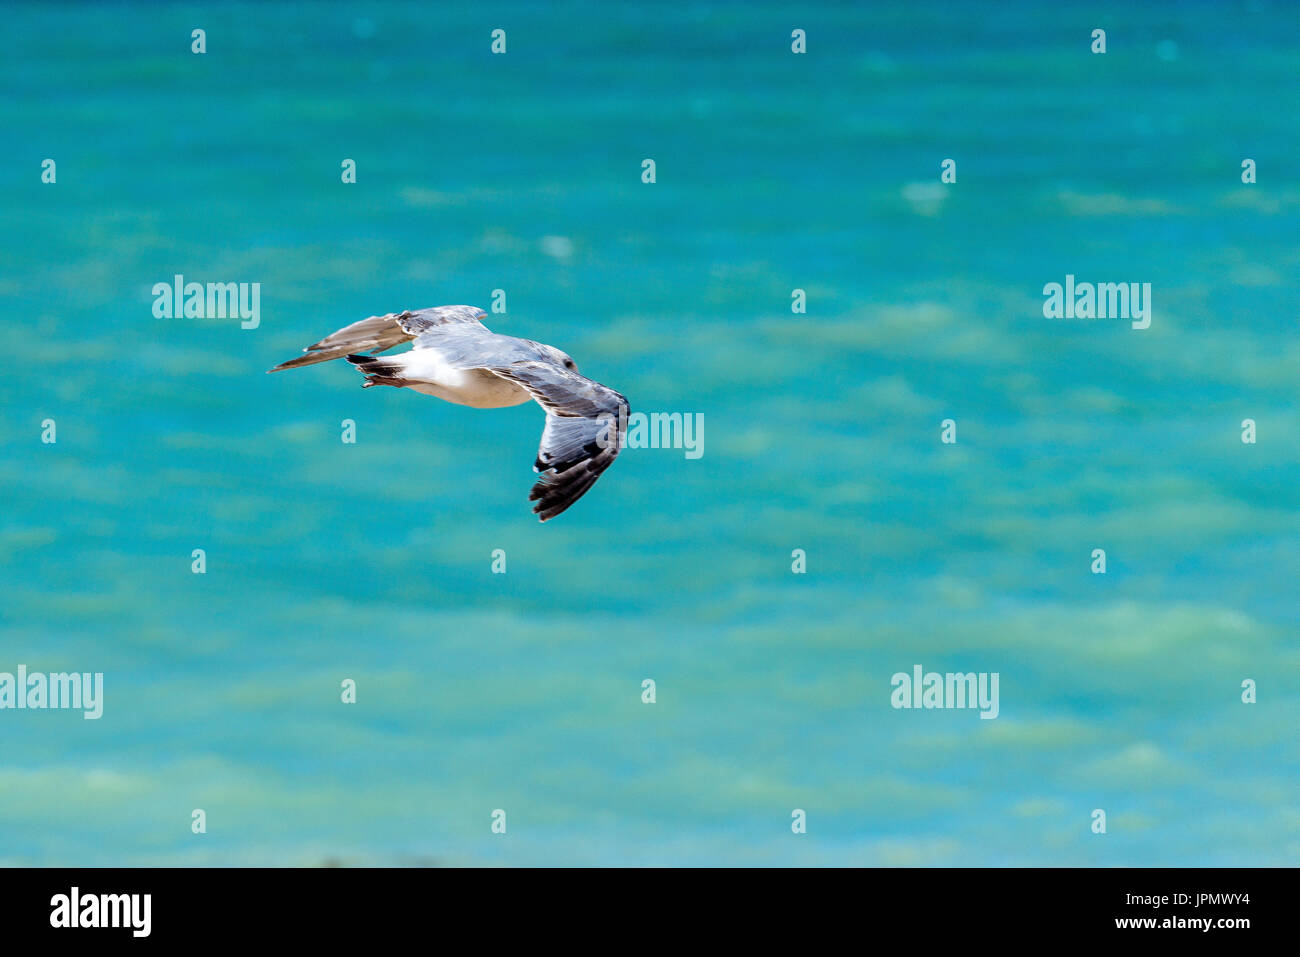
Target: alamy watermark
{"x": 950, "y": 690}
{"x": 215, "y": 300}
{"x": 656, "y": 430}
{"x": 1103, "y": 300}
{"x": 59, "y": 690}
{"x": 75, "y": 909}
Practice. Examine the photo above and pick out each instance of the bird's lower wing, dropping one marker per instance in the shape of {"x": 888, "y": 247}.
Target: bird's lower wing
{"x": 584, "y": 429}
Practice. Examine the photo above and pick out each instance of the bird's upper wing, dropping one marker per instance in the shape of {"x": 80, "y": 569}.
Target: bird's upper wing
{"x": 585, "y": 422}
{"x": 382, "y": 332}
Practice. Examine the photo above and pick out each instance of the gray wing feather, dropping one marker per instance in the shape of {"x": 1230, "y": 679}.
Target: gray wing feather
{"x": 585, "y": 423}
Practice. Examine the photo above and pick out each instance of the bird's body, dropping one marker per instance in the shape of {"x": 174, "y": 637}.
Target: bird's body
{"x": 457, "y": 359}
{"x": 424, "y": 370}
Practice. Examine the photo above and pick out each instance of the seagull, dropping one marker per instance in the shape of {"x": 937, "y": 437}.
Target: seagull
{"x": 456, "y": 358}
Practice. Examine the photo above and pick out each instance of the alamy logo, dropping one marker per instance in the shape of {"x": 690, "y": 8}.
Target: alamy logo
{"x": 1103, "y": 300}
{"x": 102, "y": 910}
{"x": 951, "y": 690}
{"x": 658, "y": 430}
{"x": 217, "y": 300}
{"x": 84, "y": 691}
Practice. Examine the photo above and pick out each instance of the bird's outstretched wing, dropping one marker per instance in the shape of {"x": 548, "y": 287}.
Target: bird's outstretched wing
{"x": 585, "y": 423}
{"x": 382, "y": 332}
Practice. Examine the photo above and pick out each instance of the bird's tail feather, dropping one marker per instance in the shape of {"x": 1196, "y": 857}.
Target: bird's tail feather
{"x": 379, "y": 370}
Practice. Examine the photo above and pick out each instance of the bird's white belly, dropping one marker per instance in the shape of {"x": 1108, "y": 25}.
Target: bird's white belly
{"x": 427, "y": 373}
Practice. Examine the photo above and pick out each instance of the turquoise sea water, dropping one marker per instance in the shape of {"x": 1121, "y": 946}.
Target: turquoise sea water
{"x": 522, "y": 691}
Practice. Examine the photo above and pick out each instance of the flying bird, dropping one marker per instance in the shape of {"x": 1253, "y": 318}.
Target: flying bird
{"x": 456, "y": 358}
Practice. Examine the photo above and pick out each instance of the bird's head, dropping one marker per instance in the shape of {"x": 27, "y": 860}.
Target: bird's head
{"x": 563, "y": 358}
